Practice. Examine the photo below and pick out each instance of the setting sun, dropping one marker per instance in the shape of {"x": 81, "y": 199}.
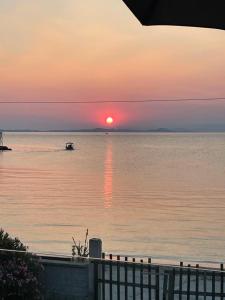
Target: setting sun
{"x": 109, "y": 120}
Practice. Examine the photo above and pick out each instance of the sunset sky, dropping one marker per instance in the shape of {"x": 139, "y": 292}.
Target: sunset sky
{"x": 56, "y": 50}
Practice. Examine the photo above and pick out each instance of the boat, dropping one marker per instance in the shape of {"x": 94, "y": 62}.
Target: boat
{"x": 2, "y": 147}
{"x": 69, "y": 146}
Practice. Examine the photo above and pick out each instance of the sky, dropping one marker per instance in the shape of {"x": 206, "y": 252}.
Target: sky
{"x": 66, "y": 50}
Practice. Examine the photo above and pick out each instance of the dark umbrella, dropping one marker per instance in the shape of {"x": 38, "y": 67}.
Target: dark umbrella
{"x": 197, "y": 13}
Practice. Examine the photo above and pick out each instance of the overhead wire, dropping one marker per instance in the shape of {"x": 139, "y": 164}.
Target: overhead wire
{"x": 116, "y": 101}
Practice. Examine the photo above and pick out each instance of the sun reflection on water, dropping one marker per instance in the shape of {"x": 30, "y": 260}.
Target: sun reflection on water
{"x": 108, "y": 176}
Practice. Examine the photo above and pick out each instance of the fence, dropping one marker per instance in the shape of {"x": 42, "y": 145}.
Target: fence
{"x": 118, "y": 279}
{"x": 194, "y": 283}
{"x": 121, "y": 278}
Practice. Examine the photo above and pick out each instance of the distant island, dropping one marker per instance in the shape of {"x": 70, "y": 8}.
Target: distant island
{"x": 91, "y": 130}
{"x": 104, "y": 130}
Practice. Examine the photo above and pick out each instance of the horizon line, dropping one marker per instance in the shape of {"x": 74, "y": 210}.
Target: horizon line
{"x": 96, "y": 130}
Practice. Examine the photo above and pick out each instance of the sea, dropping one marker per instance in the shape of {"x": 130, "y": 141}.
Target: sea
{"x": 159, "y": 195}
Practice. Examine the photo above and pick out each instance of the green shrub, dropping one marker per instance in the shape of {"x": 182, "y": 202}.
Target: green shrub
{"x": 19, "y": 270}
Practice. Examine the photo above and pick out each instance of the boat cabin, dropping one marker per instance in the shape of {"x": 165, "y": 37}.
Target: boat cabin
{"x": 69, "y": 146}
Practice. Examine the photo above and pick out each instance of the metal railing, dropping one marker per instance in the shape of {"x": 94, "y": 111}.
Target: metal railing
{"x": 123, "y": 278}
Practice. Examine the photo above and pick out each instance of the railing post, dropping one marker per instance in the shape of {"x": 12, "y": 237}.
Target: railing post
{"x": 157, "y": 279}
{"x": 221, "y": 280}
{"x": 165, "y": 285}
{"x": 171, "y": 284}
{"x": 95, "y": 252}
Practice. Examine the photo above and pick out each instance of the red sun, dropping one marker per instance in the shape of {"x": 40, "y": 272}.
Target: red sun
{"x": 109, "y": 120}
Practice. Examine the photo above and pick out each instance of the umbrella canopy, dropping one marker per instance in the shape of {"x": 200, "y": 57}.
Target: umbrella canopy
{"x": 197, "y": 13}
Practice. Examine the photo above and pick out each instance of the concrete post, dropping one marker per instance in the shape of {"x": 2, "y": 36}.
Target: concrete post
{"x": 95, "y": 248}
{"x": 95, "y": 251}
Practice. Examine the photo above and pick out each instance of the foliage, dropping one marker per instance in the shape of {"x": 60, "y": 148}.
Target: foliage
{"x": 19, "y": 271}
{"x": 79, "y": 249}
{"x": 6, "y": 242}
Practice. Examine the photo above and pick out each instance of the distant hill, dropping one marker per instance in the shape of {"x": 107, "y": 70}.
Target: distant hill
{"x": 92, "y": 130}
{"x": 99, "y": 129}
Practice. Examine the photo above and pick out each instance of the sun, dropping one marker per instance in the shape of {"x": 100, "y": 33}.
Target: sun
{"x": 109, "y": 120}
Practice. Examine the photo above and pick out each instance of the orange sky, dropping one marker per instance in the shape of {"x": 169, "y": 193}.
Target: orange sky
{"x": 95, "y": 50}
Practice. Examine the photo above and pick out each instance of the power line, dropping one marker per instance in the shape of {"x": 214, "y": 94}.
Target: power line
{"x": 116, "y": 101}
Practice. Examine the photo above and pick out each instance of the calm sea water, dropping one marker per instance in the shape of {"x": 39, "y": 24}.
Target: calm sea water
{"x": 151, "y": 194}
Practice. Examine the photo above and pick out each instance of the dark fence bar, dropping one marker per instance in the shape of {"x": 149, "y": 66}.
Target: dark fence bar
{"x": 205, "y": 278}
{"x": 142, "y": 280}
{"x": 118, "y": 277}
{"x": 110, "y": 278}
{"x": 126, "y": 278}
{"x": 221, "y": 281}
{"x": 134, "y": 288}
{"x": 149, "y": 279}
{"x": 181, "y": 281}
{"x": 103, "y": 276}
{"x": 197, "y": 282}
{"x": 157, "y": 287}
{"x": 188, "y": 282}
